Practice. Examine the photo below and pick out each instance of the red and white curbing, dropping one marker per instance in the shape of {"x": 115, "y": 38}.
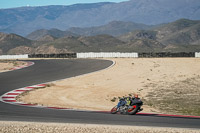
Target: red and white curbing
{"x": 10, "y": 97}
{"x": 23, "y": 66}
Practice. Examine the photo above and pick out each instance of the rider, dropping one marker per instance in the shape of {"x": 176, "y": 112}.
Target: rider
{"x": 122, "y": 102}
{"x": 126, "y": 101}
{"x": 130, "y": 99}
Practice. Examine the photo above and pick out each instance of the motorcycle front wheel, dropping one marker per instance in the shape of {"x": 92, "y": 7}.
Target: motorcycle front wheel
{"x": 114, "y": 110}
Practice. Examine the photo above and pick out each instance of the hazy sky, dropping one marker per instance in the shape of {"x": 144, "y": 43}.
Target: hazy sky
{"x": 19, "y": 3}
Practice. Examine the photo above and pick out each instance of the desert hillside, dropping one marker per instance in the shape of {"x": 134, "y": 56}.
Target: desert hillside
{"x": 179, "y": 36}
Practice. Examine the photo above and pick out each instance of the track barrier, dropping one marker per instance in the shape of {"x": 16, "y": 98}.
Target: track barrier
{"x": 107, "y": 55}
{"x": 14, "y": 56}
{"x": 66, "y": 55}
{"x": 104, "y": 55}
{"x": 164, "y": 54}
{"x": 197, "y": 54}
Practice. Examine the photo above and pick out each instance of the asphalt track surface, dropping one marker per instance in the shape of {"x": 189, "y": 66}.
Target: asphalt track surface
{"x": 51, "y": 70}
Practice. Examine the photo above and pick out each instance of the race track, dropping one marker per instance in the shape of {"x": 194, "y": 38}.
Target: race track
{"x": 51, "y": 70}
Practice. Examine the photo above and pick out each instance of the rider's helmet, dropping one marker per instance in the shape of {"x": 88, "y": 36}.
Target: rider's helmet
{"x": 136, "y": 96}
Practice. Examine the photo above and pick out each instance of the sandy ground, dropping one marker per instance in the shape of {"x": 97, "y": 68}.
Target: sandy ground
{"x": 128, "y": 76}
{"x": 7, "y": 65}
{"x": 33, "y": 127}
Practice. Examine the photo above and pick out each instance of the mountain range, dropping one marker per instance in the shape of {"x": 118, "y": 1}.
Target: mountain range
{"x": 182, "y": 35}
{"x": 114, "y": 28}
{"x": 25, "y": 20}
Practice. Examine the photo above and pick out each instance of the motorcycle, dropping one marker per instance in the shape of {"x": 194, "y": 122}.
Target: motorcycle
{"x": 132, "y": 108}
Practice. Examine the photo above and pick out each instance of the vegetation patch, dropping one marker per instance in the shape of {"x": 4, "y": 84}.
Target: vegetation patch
{"x": 9, "y": 64}
{"x": 181, "y": 97}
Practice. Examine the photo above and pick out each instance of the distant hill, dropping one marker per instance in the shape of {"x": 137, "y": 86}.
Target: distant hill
{"x": 39, "y": 34}
{"x": 114, "y": 28}
{"x": 142, "y": 45}
{"x": 47, "y": 38}
{"x": 87, "y": 44}
{"x": 25, "y": 20}
{"x": 71, "y": 44}
{"x": 180, "y": 32}
{"x": 9, "y": 41}
{"x": 138, "y": 34}
{"x": 182, "y": 48}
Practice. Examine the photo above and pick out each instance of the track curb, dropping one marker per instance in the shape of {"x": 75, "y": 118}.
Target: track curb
{"x": 29, "y": 63}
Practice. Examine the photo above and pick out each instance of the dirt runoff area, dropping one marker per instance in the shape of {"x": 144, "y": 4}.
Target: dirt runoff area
{"x": 162, "y": 83}
{"x": 34, "y": 127}
{"x": 6, "y": 65}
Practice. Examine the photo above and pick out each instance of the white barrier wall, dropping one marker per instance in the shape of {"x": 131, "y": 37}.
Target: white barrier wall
{"x": 14, "y": 56}
{"x": 197, "y": 55}
{"x": 107, "y": 55}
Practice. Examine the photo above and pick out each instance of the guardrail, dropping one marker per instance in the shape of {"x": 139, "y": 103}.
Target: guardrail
{"x": 14, "y": 56}
{"x": 67, "y": 55}
{"x": 197, "y": 54}
{"x": 164, "y": 54}
{"x": 107, "y": 55}
{"x": 103, "y": 55}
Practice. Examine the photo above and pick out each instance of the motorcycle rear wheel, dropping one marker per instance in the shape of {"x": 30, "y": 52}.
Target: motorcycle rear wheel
{"x": 133, "y": 110}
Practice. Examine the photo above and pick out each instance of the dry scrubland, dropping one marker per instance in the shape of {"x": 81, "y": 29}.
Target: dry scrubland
{"x": 6, "y": 65}
{"x": 31, "y": 127}
{"x": 166, "y": 85}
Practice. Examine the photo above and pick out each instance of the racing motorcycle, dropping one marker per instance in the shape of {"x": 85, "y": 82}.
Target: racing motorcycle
{"x": 132, "y": 108}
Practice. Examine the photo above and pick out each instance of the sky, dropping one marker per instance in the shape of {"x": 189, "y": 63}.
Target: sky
{"x": 19, "y": 3}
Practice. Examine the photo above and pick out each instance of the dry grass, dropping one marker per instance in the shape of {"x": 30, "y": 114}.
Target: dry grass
{"x": 181, "y": 97}
{"x": 6, "y": 65}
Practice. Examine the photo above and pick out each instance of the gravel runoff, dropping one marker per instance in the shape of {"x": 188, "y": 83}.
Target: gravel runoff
{"x": 37, "y": 127}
